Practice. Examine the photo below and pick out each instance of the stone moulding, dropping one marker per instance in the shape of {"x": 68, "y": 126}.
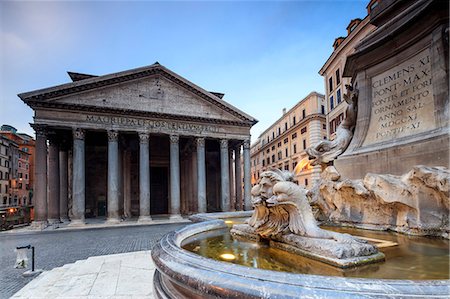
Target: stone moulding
{"x": 183, "y": 274}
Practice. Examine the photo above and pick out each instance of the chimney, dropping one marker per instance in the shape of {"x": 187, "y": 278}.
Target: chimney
{"x": 284, "y": 111}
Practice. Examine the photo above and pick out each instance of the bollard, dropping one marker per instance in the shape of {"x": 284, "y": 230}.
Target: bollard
{"x": 33, "y": 271}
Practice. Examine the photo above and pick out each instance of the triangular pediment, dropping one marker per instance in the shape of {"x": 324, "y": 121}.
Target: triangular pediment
{"x": 152, "y": 89}
{"x": 152, "y": 94}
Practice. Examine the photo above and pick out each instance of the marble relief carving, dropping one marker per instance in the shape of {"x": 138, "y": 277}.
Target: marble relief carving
{"x": 327, "y": 151}
{"x": 415, "y": 203}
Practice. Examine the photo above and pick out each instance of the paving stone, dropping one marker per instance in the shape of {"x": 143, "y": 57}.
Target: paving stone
{"x": 134, "y": 281}
{"x": 106, "y": 282}
{"x": 58, "y": 248}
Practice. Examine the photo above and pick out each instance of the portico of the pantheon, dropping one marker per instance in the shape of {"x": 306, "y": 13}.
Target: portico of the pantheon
{"x": 141, "y": 142}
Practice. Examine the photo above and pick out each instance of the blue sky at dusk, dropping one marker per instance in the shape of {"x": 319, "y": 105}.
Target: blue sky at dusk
{"x": 263, "y": 55}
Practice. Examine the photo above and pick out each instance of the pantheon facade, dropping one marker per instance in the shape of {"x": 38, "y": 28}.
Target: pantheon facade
{"x": 137, "y": 143}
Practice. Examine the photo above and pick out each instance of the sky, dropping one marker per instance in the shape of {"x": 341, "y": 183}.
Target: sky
{"x": 265, "y": 56}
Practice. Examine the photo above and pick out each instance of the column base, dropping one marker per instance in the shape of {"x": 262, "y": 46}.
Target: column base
{"x": 175, "y": 217}
{"x": 112, "y": 221}
{"x": 39, "y": 225}
{"x": 77, "y": 223}
{"x": 145, "y": 219}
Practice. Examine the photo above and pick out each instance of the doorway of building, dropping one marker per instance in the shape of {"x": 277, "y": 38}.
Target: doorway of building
{"x": 159, "y": 193}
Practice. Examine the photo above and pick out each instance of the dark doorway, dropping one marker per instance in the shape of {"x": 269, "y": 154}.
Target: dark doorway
{"x": 96, "y": 176}
{"x": 159, "y": 195}
{"x": 213, "y": 176}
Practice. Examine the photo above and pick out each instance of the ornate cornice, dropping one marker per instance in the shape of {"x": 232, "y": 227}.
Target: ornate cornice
{"x": 155, "y": 115}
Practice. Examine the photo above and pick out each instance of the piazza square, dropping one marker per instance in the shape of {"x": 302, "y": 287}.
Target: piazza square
{"x": 245, "y": 160}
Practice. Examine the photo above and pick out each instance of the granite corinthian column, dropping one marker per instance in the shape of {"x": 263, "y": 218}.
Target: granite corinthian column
{"x": 113, "y": 177}
{"x": 144, "y": 178}
{"x": 238, "y": 178}
{"x": 53, "y": 182}
{"x": 247, "y": 181}
{"x": 78, "y": 177}
{"x": 225, "y": 176}
{"x": 40, "y": 171}
{"x": 174, "y": 178}
{"x": 201, "y": 175}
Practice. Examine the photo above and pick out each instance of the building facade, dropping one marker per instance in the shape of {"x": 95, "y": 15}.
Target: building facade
{"x": 141, "y": 142}
{"x": 333, "y": 68}
{"x": 20, "y": 178}
{"x": 5, "y": 200}
{"x": 283, "y": 144}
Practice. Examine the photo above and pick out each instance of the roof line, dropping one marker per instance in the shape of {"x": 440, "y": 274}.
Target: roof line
{"x": 114, "y": 78}
{"x": 344, "y": 43}
{"x": 290, "y": 110}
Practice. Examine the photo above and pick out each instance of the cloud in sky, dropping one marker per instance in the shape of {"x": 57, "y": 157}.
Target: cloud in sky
{"x": 263, "y": 55}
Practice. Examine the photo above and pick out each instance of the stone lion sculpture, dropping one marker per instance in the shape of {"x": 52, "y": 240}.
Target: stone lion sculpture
{"x": 282, "y": 207}
{"x": 326, "y": 151}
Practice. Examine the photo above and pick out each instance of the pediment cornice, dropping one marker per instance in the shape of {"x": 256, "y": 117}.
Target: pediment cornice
{"x": 39, "y": 98}
{"x": 123, "y": 112}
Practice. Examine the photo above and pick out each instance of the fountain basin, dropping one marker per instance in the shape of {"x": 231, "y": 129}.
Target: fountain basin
{"x": 184, "y": 274}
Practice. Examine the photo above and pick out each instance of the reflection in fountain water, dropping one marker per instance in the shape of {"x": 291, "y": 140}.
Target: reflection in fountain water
{"x": 416, "y": 258}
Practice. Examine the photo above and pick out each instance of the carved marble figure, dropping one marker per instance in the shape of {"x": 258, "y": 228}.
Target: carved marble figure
{"x": 326, "y": 151}
{"x": 283, "y": 215}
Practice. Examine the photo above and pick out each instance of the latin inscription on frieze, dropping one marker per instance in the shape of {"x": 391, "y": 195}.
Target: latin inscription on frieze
{"x": 151, "y": 125}
{"x": 402, "y": 101}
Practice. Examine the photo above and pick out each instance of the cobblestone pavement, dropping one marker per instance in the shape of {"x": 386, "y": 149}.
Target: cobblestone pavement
{"x": 57, "y": 248}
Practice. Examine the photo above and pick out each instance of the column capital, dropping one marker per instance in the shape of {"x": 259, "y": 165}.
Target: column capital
{"x": 247, "y": 144}
{"x": 113, "y": 136}
{"x": 41, "y": 130}
{"x": 201, "y": 141}
{"x": 144, "y": 137}
{"x": 174, "y": 138}
{"x": 223, "y": 143}
{"x": 79, "y": 133}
